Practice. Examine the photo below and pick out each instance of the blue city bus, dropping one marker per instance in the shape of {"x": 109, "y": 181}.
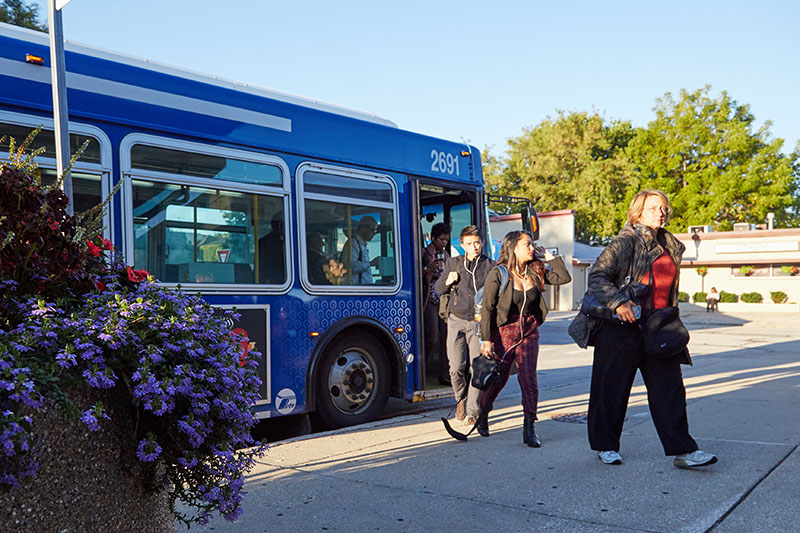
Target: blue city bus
{"x": 260, "y": 201}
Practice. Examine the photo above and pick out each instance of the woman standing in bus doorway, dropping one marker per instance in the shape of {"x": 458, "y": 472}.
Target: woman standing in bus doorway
{"x": 511, "y": 320}
{"x": 434, "y": 257}
{"x": 619, "y": 349}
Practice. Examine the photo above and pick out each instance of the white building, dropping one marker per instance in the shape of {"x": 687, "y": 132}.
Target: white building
{"x": 744, "y": 260}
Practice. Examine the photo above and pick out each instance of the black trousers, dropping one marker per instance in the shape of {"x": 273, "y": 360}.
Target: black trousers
{"x": 618, "y": 354}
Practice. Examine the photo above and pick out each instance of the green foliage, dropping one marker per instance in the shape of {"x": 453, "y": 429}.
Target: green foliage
{"x": 683, "y": 296}
{"x": 790, "y": 270}
{"x": 18, "y": 13}
{"x": 44, "y": 253}
{"x": 575, "y": 161}
{"x": 699, "y": 297}
{"x": 752, "y": 297}
{"x": 728, "y": 297}
{"x": 778, "y": 297}
{"x": 746, "y": 270}
{"x": 706, "y": 154}
{"x": 702, "y": 271}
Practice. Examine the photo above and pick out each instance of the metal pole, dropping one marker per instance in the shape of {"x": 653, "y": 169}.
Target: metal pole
{"x": 58, "y": 76}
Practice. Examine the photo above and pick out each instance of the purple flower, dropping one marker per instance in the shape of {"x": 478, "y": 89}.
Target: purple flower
{"x": 90, "y": 416}
{"x": 148, "y": 450}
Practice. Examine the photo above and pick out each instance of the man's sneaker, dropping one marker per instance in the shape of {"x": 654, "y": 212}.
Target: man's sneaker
{"x": 461, "y": 410}
{"x": 610, "y": 457}
{"x": 696, "y": 458}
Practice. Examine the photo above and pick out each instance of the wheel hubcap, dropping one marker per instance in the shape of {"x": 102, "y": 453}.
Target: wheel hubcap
{"x": 351, "y": 381}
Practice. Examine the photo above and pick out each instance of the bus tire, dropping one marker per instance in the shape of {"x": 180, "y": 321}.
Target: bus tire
{"x": 352, "y": 385}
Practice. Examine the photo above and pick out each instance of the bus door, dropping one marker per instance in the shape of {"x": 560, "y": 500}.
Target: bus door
{"x": 437, "y": 202}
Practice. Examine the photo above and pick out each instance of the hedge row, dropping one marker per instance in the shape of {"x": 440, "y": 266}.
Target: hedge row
{"x": 778, "y": 297}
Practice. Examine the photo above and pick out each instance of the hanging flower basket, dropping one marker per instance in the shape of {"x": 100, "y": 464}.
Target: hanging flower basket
{"x": 790, "y": 270}
{"x": 702, "y": 271}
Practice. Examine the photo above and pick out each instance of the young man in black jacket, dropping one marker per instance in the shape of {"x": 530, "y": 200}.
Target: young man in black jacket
{"x": 463, "y": 276}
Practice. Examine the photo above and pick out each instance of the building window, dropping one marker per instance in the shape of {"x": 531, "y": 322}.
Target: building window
{"x": 792, "y": 269}
{"x": 750, "y": 271}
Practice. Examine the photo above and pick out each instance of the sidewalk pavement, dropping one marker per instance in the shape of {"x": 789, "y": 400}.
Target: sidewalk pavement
{"x": 407, "y": 474}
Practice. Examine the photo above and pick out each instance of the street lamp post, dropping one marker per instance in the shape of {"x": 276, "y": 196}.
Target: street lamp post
{"x": 59, "y": 83}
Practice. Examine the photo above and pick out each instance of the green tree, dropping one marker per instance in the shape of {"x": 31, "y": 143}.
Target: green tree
{"x": 575, "y": 161}
{"x": 716, "y": 168}
{"x": 19, "y": 13}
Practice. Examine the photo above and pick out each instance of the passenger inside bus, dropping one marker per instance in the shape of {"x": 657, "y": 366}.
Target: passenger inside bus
{"x": 271, "y": 253}
{"x": 355, "y": 255}
{"x": 316, "y": 259}
{"x": 433, "y": 258}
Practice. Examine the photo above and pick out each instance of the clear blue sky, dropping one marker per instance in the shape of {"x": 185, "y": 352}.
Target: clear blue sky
{"x": 479, "y": 71}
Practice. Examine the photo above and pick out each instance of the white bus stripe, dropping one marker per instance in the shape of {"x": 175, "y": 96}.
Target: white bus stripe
{"x": 115, "y": 89}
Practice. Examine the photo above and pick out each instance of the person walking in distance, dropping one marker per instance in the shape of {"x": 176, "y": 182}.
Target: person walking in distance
{"x": 619, "y": 348}
{"x": 511, "y": 320}
{"x": 463, "y": 277}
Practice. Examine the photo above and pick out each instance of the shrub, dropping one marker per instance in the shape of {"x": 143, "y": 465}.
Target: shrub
{"x": 779, "y": 297}
{"x": 699, "y": 297}
{"x": 752, "y": 297}
{"x": 165, "y": 366}
{"x": 683, "y": 296}
{"x": 728, "y": 297}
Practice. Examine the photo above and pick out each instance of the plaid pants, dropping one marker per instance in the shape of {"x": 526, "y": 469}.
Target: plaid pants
{"x": 526, "y": 356}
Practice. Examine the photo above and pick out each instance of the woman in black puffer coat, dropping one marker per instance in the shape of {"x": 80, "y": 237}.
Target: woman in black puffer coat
{"x": 619, "y": 349}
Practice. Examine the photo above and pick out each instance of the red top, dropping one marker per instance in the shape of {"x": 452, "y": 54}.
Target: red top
{"x": 664, "y": 271}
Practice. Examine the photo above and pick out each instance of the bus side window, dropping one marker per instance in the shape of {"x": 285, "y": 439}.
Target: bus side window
{"x": 200, "y": 229}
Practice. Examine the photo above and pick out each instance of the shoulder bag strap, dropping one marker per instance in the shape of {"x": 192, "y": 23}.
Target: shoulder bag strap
{"x": 651, "y": 303}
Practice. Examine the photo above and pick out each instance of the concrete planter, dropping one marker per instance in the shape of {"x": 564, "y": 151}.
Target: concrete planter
{"x": 82, "y": 484}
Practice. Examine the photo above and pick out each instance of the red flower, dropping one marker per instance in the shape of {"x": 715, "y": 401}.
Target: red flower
{"x": 137, "y": 275}
{"x": 241, "y": 335}
{"x": 108, "y": 245}
{"x": 93, "y": 249}
{"x": 99, "y": 285}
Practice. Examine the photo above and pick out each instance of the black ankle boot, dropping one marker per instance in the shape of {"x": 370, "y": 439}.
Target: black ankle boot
{"x": 529, "y": 435}
{"x": 482, "y": 425}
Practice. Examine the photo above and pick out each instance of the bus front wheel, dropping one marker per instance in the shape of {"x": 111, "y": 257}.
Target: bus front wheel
{"x": 352, "y": 383}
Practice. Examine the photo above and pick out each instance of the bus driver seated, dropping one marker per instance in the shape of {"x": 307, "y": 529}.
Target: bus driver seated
{"x": 355, "y": 255}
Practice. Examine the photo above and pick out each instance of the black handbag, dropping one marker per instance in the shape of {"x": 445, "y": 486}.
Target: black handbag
{"x": 665, "y": 336}
{"x": 484, "y": 372}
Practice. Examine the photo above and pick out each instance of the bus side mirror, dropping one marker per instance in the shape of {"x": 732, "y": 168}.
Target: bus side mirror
{"x": 530, "y": 222}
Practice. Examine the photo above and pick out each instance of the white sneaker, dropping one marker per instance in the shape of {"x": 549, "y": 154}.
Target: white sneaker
{"x": 696, "y": 458}
{"x": 610, "y": 457}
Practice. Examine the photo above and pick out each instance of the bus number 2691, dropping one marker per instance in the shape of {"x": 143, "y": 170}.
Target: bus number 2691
{"x": 444, "y": 163}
